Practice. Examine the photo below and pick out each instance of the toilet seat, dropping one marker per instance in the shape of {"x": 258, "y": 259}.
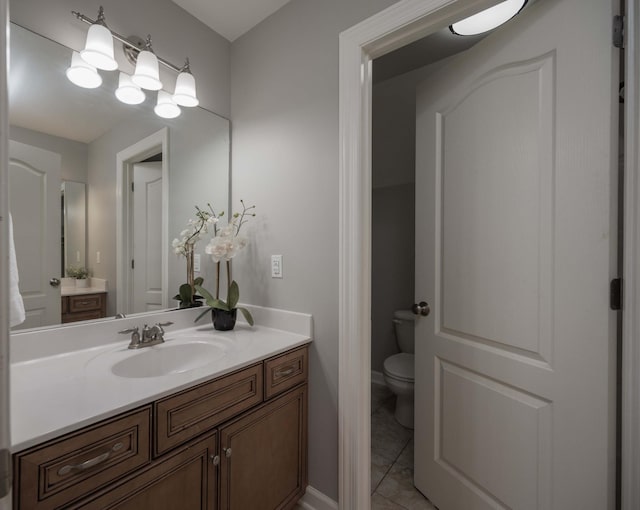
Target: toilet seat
{"x": 400, "y": 366}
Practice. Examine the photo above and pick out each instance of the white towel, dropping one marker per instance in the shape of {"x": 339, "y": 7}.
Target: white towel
{"x": 16, "y": 305}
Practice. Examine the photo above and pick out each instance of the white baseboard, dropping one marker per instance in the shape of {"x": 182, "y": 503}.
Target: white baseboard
{"x": 316, "y": 500}
{"x": 377, "y": 378}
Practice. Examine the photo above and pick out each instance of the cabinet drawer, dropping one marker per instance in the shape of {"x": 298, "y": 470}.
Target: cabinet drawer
{"x": 184, "y": 479}
{"x": 57, "y": 473}
{"x": 285, "y": 371}
{"x": 85, "y": 303}
{"x": 188, "y": 414}
{"x": 81, "y": 316}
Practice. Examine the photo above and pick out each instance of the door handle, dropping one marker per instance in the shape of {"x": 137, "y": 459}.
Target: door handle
{"x": 54, "y": 282}
{"x": 421, "y": 308}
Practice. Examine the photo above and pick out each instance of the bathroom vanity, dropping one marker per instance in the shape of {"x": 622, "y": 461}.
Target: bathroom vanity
{"x": 223, "y": 428}
{"x": 83, "y": 306}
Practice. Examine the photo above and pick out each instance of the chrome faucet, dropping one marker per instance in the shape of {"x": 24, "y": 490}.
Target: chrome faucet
{"x": 153, "y": 335}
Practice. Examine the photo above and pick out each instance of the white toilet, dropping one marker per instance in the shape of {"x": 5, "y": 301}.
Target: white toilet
{"x": 398, "y": 369}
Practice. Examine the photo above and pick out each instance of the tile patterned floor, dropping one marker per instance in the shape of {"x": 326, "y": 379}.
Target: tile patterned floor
{"x": 391, "y": 458}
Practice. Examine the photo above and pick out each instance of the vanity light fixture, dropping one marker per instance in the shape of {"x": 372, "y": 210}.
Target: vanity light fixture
{"x": 98, "y": 50}
{"x": 185, "y": 92}
{"x": 127, "y": 91}
{"x": 488, "y": 19}
{"x": 147, "y": 74}
{"x": 98, "y": 53}
{"x": 165, "y": 107}
{"x": 82, "y": 74}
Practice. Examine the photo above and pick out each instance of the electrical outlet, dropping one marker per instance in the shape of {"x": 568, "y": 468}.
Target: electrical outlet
{"x": 276, "y": 266}
{"x": 196, "y": 262}
{"x": 97, "y": 257}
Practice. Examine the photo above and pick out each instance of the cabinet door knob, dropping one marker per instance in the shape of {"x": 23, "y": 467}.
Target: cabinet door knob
{"x": 215, "y": 459}
{"x": 227, "y": 452}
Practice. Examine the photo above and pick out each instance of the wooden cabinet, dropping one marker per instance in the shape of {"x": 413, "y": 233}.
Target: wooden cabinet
{"x": 82, "y": 307}
{"x": 187, "y": 414}
{"x": 185, "y": 479}
{"x": 229, "y": 443}
{"x": 260, "y": 469}
{"x": 78, "y": 464}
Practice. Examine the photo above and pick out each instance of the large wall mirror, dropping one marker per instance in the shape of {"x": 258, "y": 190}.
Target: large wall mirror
{"x": 136, "y": 176}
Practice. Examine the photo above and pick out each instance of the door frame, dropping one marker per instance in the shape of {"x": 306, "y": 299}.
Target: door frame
{"x": 5, "y": 424}
{"x": 125, "y": 159}
{"x": 398, "y": 25}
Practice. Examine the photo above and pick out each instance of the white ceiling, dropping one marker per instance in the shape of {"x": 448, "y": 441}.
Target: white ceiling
{"x": 231, "y": 18}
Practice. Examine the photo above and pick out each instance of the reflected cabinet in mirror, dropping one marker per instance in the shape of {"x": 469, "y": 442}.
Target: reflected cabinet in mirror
{"x": 136, "y": 176}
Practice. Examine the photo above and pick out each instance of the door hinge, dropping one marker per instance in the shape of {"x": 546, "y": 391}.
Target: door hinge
{"x": 615, "y": 294}
{"x": 132, "y": 187}
{"x": 5, "y": 473}
{"x": 618, "y": 31}
{"x": 133, "y": 265}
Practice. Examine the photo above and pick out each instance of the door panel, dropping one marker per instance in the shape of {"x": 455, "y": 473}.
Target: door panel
{"x": 514, "y": 198}
{"x": 34, "y": 202}
{"x": 147, "y": 237}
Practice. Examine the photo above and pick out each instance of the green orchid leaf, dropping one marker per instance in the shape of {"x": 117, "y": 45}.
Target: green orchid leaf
{"x": 185, "y": 292}
{"x": 198, "y": 281}
{"x": 221, "y": 305}
{"x": 209, "y": 299}
{"x": 233, "y": 295}
{"x": 247, "y": 315}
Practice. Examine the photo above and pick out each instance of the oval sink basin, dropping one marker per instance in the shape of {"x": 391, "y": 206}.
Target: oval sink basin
{"x": 167, "y": 359}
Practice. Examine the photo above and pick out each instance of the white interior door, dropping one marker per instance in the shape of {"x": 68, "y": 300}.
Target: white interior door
{"x": 147, "y": 237}
{"x": 34, "y": 202}
{"x": 515, "y": 388}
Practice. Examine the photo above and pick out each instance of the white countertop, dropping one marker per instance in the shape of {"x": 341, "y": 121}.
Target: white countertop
{"x": 59, "y": 393}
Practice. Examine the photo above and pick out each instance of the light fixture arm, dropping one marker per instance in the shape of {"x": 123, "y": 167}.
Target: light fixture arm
{"x": 122, "y": 39}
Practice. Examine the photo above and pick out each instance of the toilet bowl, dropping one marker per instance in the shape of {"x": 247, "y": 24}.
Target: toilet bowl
{"x": 398, "y": 369}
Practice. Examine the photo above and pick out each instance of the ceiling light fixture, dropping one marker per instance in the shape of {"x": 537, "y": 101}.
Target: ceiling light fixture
{"x": 99, "y": 53}
{"x": 489, "y": 18}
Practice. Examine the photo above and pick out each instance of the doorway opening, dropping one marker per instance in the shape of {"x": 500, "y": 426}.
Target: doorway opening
{"x": 359, "y": 47}
{"x": 142, "y": 225}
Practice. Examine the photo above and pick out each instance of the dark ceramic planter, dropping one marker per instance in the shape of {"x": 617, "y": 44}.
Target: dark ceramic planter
{"x": 223, "y": 320}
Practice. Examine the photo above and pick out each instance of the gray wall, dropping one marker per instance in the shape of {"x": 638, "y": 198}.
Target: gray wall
{"x": 284, "y": 106}
{"x": 74, "y": 154}
{"x": 198, "y": 174}
{"x": 176, "y": 35}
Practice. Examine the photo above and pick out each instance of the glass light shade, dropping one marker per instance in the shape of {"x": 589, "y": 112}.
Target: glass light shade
{"x": 489, "y": 18}
{"x": 185, "y": 93}
{"x": 166, "y": 108}
{"x": 98, "y": 50}
{"x": 82, "y": 74}
{"x": 147, "y": 75}
{"x": 127, "y": 91}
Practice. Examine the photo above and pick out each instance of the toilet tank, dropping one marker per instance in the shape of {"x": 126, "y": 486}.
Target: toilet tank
{"x": 403, "y": 322}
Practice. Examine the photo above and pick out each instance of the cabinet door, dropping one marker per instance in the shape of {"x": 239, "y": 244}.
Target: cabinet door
{"x": 184, "y": 479}
{"x": 264, "y": 455}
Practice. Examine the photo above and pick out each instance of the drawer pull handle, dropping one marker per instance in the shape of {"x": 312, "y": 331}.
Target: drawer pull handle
{"x": 91, "y": 462}
{"x": 285, "y": 372}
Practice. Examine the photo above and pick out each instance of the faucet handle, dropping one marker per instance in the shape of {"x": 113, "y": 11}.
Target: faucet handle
{"x": 135, "y": 337}
{"x": 161, "y": 325}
